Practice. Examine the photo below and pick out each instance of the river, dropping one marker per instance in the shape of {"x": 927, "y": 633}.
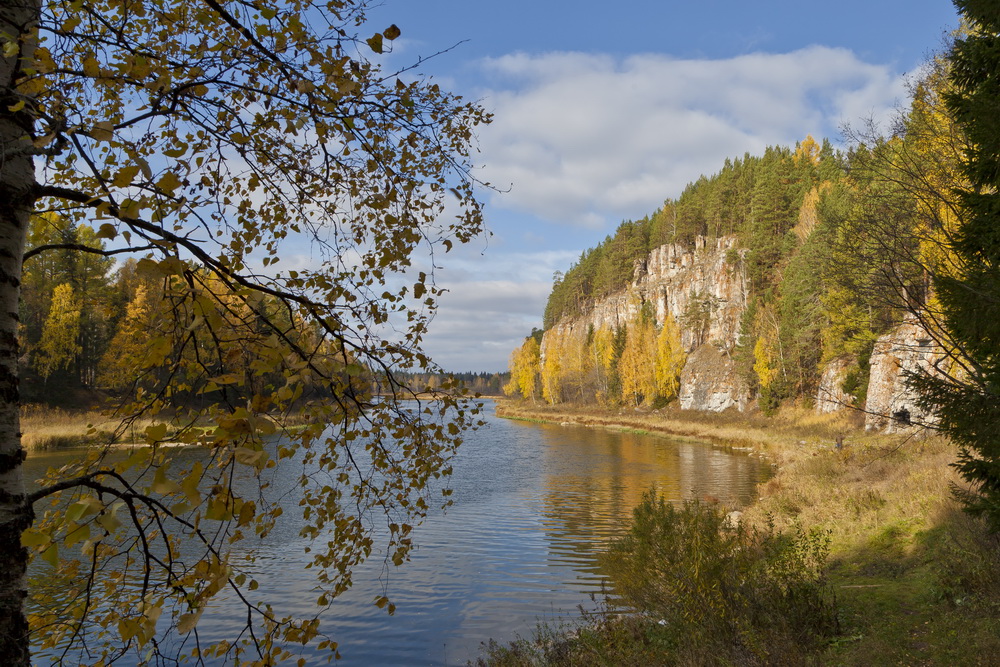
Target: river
{"x": 534, "y": 504}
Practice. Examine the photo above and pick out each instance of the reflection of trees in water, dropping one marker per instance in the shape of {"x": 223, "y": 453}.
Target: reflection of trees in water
{"x": 594, "y": 478}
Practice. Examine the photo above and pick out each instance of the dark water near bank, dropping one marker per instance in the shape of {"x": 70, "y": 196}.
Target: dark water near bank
{"x": 534, "y": 505}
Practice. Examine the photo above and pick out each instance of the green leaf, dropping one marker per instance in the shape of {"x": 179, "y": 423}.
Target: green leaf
{"x": 375, "y": 42}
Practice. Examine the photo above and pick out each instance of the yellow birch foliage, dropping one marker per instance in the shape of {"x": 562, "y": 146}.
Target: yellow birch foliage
{"x": 525, "y": 367}
{"x": 602, "y": 351}
{"x": 59, "y": 344}
{"x": 670, "y": 358}
{"x": 763, "y": 364}
{"x": 807, "y": 151}
{"x": 638, "y": 360}
{"x": 552, "y": 367}
{"x": 128, "y": 350}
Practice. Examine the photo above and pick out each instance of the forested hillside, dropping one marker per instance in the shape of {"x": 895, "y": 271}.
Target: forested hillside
{"x": 89, "y": 323}
{"x": 831, "y": 250}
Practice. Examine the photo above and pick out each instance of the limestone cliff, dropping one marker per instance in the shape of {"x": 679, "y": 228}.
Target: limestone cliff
{"x": 706, "y": 294}
{"x": 830, "y": 395}
{"x": 891, "y": 405}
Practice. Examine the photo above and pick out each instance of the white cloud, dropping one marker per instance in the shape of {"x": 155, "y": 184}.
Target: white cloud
{"x": 491, "y": 304}
{"x": 589, "y": 139}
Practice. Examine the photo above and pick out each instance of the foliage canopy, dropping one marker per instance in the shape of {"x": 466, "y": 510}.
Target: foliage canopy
{"x": 287, "y": 198}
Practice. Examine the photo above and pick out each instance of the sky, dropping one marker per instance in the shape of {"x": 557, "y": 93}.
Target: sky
{"x": 604, "y": 110}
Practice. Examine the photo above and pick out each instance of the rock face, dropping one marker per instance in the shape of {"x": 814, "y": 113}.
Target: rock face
{"x": 705, "y": 293}
{"x": 891, "y": 405}
{"x": 709, "y": 382}
{"x": 830, "y": 397}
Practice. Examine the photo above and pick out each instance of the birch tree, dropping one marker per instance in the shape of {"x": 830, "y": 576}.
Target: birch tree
{"x": 216, "y": 139}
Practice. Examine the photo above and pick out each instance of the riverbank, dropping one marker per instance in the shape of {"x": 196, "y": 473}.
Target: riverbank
{"x": 912, "y": 576}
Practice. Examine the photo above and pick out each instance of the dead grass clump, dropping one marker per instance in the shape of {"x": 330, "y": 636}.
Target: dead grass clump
{"x": 45, "y": 428}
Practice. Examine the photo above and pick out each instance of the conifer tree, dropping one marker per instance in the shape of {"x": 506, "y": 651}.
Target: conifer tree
{"x": 967, "y": 401}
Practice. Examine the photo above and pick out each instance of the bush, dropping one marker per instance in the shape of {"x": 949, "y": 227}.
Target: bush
{"x": 692, "y": 589}
{"x": 724, "y": 593}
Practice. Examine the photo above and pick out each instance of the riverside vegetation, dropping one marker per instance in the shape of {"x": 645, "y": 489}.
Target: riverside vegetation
{"x": 858, "y": 555}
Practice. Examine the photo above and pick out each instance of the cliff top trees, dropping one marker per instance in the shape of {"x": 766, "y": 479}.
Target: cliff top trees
{"x": 217, "y": 138}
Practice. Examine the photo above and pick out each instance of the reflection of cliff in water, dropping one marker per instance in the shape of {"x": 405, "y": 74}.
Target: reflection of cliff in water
{"x": 584, "y": 505}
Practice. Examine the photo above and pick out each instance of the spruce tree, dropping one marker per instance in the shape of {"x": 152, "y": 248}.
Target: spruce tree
{"x": 967, "y": 398}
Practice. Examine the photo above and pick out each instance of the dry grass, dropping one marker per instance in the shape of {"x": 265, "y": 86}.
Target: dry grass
{"x": 44, "y": 428}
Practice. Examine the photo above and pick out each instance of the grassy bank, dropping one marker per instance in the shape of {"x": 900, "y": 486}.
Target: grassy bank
{"x": 44, "y": 428}
{"x": 911, "y": 577}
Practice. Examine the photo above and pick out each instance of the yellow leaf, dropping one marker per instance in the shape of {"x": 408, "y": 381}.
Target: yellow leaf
{"x": 108, "y": 521}
{"x": 375, "y": 42}
{"x": 91, "y": 67}
{"x": 190, "y": 484}
{"x": 168, "y": 182}
{"x": 106, "y": 231}
{"x": 176, "y": 152}
{"x": 124, "y": 177}
{"x": 247, "y": 513}
{"x": 248, "y": 456}
{"x": 82, "y": 508}
{"x": 162, "y": 485}
{"x": 187, "y": 622}
{"x": 33, "y": 538}
{"x": 51, "y": 555}
{"x": 217, "y": 510}
{"x": 156, "y": 432}
{"x": 103, "y": 131}
{"x": 130, "y": 209}
{"x": 77, "y": 534}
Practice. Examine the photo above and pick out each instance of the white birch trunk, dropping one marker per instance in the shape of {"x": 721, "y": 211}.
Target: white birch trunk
{"x": 17, "y": 199}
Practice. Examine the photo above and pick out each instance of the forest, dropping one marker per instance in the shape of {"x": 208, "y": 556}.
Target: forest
{"x": 87, "y": 322}
{"x": 833, "y": 248}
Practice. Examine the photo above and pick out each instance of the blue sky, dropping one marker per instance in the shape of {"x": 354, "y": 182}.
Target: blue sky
{"x": 604, "y": 110}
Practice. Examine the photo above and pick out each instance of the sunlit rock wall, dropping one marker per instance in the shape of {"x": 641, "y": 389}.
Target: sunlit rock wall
{"x": 830, "y": 397}
{"x": 709, "y": 382}
{"x": 706, "y": 296}
{"x": 891, "y": 405}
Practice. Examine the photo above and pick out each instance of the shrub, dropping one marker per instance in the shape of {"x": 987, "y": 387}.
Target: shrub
{"x": 724, "y": 593}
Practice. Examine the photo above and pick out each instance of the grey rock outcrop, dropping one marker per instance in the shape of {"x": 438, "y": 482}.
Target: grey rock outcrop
{"x": 710, "y": 382}
{"x": 830, "y": 395}
{"x": 705, "y": 293}
{"x": 892, "y": 406}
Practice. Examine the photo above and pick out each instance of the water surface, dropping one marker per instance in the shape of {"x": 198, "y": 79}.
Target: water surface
{"x": 533, "y": 506}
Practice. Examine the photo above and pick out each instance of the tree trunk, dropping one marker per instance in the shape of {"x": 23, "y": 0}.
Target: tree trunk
{"x": 17, "y": 187}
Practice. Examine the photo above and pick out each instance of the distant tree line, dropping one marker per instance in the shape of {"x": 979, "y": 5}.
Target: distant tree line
{"x": 483, "y": 383}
